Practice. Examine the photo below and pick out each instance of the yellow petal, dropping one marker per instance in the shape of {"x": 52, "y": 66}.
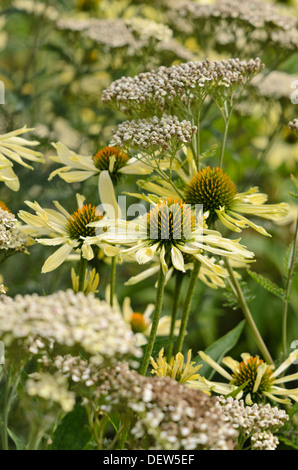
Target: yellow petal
{"x": 57, "y": 258}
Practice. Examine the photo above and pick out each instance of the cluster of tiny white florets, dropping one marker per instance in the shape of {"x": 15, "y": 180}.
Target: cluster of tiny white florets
{"x": 7, "y": 224}
{"x": 74, "y": 368}
{"x": 147, "y": 30}
{"x": 256, "y": 13}
{"x": 36, "y": 8}
{"x": 159, "y": 90}
{"x": 51, "y": 388}
{"x": 276, "y": 85}
{"x": 294, "y": 124}
{"x": 112, "y": 33}
{"x": 67, "y": 322}
{"x": 12, "y": 239}
{"x": 133, "y": 33}
{"x": 166, "y": 415}
{"x": 257, "y": 422}
{"x": 166, "y": 133}
{"x": 266, "y": 22}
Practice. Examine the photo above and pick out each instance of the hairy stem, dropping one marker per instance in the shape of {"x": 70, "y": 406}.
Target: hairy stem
{"x": 187, "y": 305}
{"x": 112, "y": 280}
{"x": 287, "y": 292}
{"x": 156, "y": 316}
{"x": 178, "y": 286}
{"x": 227, "y": 116}
{"x": 248, "y": 316}
{"x": 82, "y": 273}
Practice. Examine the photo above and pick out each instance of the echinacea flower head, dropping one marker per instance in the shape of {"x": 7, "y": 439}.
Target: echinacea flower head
{"x": 78, "y": 222}
{"x": 63, "y": 228}
{"x": 214, "y": 189}
{"x": 77, "y": 168}
{"x": 14, "y": 148}
{"x": 252, "y": 378}
{"x": 169, "y": 230}
{"x": 176, "y": 368}
{"x": 110, "y": 159}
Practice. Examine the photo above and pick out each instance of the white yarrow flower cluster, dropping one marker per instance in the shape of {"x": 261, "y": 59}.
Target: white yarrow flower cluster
{"x": 294, "y": 124}
{"x": 7, "y": 223}
{"x": 166, "y": 415}
{"x": 257, "y": 422}
{"x": 64, "y": 321}
{"x": 166, "y": 88}
{"x": 51, "y": 388}
{"x": 153, "y": 134}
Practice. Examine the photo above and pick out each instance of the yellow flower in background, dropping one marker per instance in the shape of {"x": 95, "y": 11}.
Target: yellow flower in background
{"x": 90, "y": 283}
{"x": 256, "y": 379}
{"x": 140, "y": 323}
{"x": 13, "y": 148}
{"x": 65, "y": 229}
{"x": 176, "y": 368}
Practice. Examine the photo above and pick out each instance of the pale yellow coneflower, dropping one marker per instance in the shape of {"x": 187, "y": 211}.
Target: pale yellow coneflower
{"x": 14, "y": 148}
{"x": 63, "y": 229}
{"x": 254, "y": 378}
{"x": 218, "y": 194}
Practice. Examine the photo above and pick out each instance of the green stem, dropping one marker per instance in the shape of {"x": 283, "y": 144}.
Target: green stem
{"x": 178, "y": 286}
{"x": 287, "y": 292}
{"x": 248, "y": 316}
{"x": 10, "y": 393}
{"x": 112, "y": 281}
{"x": 35, "y": 436}
{"x": 4, "y": 434}
{"x": 187, "y": 305}
{"x": 198, "y": 150}
{"x": 224, "y": 141}
{"x": 82, "y": 273}
{"x": 158, "y": 306}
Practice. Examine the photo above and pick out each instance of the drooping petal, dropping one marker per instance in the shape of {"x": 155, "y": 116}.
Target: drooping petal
{"x": 107, "y": 196}
{"x": 215, "y": 366}
{"x": 57, "y": 258}
{"x": 177, "y": 259}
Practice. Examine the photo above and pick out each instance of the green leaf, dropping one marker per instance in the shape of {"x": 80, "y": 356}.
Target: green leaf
{"x": 17, "y": 441}
{"x": 232, "y": 300}
{"x": 268, "y": 285}
{"x": 209, "y": 152}
{"x": 72, "y": 432}
{"x": 219, "y": 349}
{"x": 235, "y": 392}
